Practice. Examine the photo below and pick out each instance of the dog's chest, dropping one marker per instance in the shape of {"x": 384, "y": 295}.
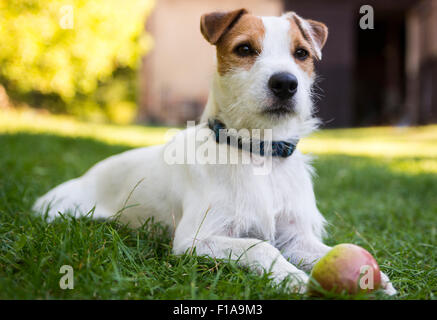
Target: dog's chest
{"x": 256, "y": 202}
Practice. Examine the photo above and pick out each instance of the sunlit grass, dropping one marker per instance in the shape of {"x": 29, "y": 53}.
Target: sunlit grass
{"x": 375, "y": 142}
{"x": 28, "y": 121}
{"x": 417, "y": 144}
{"x": 380, "y": 142}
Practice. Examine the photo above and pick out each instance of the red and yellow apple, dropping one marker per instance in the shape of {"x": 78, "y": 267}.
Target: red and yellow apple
{"x": 347, "y": 267}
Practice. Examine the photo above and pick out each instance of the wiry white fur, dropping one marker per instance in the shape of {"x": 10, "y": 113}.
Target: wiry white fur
{"x": 221, "y": 210}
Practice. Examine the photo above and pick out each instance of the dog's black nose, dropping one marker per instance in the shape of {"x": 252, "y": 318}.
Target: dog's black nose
{"x": 283, "y": 85}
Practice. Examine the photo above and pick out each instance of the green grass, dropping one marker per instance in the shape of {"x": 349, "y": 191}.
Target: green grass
{"x": 377, "y": 187}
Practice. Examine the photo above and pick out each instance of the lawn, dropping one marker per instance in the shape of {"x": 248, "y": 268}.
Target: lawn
{"x": 377, "y": 187}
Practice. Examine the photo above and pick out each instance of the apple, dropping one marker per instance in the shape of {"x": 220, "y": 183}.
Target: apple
{"x": 347, "y": 267}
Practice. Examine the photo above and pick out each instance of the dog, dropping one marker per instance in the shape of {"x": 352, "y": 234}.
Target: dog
{"x": 267, "y": 221}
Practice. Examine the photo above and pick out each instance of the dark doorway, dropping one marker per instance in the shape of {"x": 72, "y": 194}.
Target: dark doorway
{"x": 380, "y": 70}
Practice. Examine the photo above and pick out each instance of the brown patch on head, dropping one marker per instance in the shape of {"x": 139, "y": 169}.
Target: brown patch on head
{"x": 228, "y": 31}
{"x": 316, "y": 33}
{"x": 300, "y": 40}
{"x": 248, "y": 30}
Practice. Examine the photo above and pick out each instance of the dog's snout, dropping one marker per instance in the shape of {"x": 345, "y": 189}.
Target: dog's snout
{"x": 283, "y": 85}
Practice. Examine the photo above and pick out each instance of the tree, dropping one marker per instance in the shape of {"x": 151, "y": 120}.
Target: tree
{"x": 66, "y": 55}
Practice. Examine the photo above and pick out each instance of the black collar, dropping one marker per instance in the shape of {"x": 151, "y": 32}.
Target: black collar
{"x": 282, "y": 149}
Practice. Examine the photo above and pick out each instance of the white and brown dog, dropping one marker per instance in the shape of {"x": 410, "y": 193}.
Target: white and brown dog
{"x": 268, "y": 222}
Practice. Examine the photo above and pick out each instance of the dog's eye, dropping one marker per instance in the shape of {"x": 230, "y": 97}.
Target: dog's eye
{"x": 301, "y": 54}
{"x": 244, "y": 50}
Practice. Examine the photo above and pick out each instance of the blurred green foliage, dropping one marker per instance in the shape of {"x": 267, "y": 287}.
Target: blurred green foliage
{"x": 79, "y": 56}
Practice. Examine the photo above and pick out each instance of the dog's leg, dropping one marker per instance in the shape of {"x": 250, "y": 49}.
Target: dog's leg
{"x": 258, "y": 255}
{"x": 305, "y": 252}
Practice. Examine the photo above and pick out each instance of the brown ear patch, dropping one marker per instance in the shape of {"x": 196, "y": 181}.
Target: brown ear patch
{"x": 316, "y": 33}
{"x": 300, "y": 40}
{"x": 295, "y": 21}
{"x": 249, "y": 29}
{"x": 214, "y": 25}
{"x": 320, "y": 32}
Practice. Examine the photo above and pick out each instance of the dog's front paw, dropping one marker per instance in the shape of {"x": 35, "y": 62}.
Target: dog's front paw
{"x": 297, "y": 282}
{"x": 387, "y": 286}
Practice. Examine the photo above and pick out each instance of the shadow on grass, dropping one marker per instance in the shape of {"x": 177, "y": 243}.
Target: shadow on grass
{"x": 390, "y": 213}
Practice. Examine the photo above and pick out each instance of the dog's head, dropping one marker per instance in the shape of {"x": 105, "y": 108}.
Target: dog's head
{"x": 265, "y": 66}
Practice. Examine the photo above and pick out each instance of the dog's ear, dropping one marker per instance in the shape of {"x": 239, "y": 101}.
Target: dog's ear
{"x": 313, "y": 31}
{"x": 213, "y": 25}
{"x": 319, "y": 33}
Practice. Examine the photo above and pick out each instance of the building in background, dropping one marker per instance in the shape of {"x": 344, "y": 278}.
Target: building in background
{"x": 385, "y": 75}
{"x": 176, "y": 74}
